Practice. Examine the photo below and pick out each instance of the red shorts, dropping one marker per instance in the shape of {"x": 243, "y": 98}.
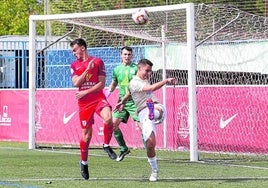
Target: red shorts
{"x": 86, "y": 112}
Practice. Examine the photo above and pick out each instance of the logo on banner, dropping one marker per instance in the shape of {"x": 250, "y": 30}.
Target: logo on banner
{"x": 38, "y": 114}
{"x": 100, "y": 131}
{"x": 224, "y": 123}
{"x": 66, "y": 119}
{"x": 5, "y": 120}
{"x": 183, "y": 120}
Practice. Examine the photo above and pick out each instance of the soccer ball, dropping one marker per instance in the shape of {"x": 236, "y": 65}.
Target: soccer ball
{"x": 140, "y": 16}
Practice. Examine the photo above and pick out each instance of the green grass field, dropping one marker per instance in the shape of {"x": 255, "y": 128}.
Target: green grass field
{"x": 25, "y": 168}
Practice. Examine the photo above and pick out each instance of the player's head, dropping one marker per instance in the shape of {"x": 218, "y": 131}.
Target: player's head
{"x": 79, "y": 42}
{"x": 144, "y": 68}
{"x": 79, "y": 48}
{"x": 126, "y": 54}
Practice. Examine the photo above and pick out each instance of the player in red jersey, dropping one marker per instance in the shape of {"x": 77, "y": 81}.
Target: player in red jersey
{"x": 88, "y": 74}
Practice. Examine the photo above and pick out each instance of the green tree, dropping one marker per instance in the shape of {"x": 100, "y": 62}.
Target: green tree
{"x": 14, "y": 15}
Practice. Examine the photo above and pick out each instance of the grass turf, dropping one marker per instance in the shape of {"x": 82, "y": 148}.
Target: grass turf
{"x": 21, "y": 167}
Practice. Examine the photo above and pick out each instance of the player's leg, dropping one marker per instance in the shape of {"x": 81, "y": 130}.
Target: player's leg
{"x": 132, "y": 110}
{"x": 120, "y": 116}
{"x": 151, "y": 154}
{"x": 149, "y": 133}
{"x": 86, "y": 125}
{"x": 104, "y": 111}
{"x": 84, "y": 144}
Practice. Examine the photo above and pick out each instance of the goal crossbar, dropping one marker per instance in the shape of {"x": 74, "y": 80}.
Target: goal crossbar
{"x": 106, "y": 13}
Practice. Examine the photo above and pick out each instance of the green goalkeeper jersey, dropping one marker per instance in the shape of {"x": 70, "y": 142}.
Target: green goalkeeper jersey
{"x": 122, "y": 75}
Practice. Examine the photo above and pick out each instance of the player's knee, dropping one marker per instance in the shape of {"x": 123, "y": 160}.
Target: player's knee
{"x": 107, "y": 119}
{"x": 151, "y": 142}
{"x": 86, "y": 137}
{"x": 116, "y": 123}
{"x": 150, "y": 146}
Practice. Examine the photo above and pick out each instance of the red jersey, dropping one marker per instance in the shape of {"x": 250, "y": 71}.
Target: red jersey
{"x": 97, "y": 69}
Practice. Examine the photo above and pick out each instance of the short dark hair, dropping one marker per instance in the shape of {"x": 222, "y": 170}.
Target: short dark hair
{"x": 80, "y": 42}
{"x": 126, "y": 48}
{"x": 145, "y": 62}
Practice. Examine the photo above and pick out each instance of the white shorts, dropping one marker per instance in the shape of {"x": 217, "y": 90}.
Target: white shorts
{"x": 147, "y": 125}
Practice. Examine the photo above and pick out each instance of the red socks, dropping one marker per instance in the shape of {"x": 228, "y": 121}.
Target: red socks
{"x": 84, "y": 150}
{"x": 108, "y": 133}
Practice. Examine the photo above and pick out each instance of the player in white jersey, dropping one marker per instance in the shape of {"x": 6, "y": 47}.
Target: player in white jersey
{"x": 149, "y": 110}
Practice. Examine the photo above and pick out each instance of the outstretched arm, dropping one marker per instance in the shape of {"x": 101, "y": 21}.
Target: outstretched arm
{"x": 158, "y": 85}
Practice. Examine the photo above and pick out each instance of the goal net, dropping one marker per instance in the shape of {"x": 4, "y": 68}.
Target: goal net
{"x": 218, "y": 54}
{"x": 167, "y": 40}
{"x": 231, "y": 56}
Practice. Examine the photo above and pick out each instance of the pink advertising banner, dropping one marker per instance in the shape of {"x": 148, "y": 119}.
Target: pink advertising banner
{"x": 14, "y": 115}
{"x": 230, "y": 119}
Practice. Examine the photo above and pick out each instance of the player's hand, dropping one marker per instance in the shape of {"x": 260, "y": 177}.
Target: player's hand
{"x": 89, "y": 66}
{"x": 119, "y": 106}
{"x": 80, "y": 94}
{"x": 172, "y": 81}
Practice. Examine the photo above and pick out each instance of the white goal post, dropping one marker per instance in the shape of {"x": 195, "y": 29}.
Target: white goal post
{"x": 168, "y": 26}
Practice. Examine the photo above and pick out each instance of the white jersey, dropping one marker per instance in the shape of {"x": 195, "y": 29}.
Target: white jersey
{"x": 135, "y": 86}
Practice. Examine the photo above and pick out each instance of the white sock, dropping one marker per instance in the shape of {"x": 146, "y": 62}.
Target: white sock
{"x": 84, "y": 162}
{"x": 105, "y": 145}
{"x": 153, "y": 163}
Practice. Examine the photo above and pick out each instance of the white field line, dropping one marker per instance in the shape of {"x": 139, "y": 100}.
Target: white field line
{"x": 129, "y": 156}
{"x": 51, "y": 180}
{"x": 234, "y": 165}
{"x": 67, "y": 152}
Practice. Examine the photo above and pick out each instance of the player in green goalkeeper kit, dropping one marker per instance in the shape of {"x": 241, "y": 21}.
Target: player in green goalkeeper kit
{"x": 125, "y": 107}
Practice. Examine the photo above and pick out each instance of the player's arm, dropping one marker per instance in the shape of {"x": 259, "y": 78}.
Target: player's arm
{"x": 79, "y": 80}
{"x": 113, "y": 85}
{"x": 120, "y": 105}
{"x": 99, "y": 86}
{"x": 158, "y": 85}
{"x": 126, "y": 97}
{"x": 110, "y": 89}
{"x": 114, "y": 82}
{"x": 101, "y": 77}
